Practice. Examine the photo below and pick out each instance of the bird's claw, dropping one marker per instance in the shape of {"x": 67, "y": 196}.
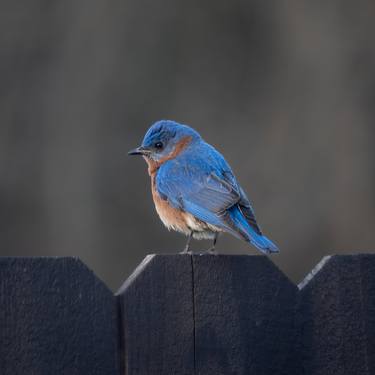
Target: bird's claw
{"x": 186, "y": 251}
{"x": 211, "y": 251}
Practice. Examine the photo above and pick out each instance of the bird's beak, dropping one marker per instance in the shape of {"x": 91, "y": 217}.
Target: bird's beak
{"x": 139, "y": 151}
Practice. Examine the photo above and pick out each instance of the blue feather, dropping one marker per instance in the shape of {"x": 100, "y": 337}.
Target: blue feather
{"x": 200, "y": 181}
{"x": 254, "y": 237}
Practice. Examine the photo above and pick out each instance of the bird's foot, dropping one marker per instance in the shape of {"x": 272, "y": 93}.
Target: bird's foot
{"x": 186, "y": 251}
{"x": 211, "y": 251}
{"x": 187, "y": 246}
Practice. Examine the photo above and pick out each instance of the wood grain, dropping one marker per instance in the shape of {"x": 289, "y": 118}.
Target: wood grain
{"x": 56, "y": 317}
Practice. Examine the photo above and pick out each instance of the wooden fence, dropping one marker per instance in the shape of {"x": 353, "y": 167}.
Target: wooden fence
{"x": 183, "y": 314}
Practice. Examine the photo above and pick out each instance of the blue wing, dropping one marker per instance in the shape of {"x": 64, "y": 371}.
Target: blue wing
{"x": 202, "y": 183}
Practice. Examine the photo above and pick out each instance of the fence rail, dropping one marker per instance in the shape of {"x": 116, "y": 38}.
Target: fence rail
{"x": 188, "y": 314}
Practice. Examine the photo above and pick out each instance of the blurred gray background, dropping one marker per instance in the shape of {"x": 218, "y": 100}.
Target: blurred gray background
{"x": 285, "y": 90}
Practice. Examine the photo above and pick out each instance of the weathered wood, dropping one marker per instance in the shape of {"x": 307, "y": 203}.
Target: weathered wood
{"x": 208, "y": 315}
{"x": 337, "y": 317}
{"x": 188, "y": 315}
{"x": 244, "y": 316}
{"x": 157, "y": 311}
{"x": 56, "y": 317}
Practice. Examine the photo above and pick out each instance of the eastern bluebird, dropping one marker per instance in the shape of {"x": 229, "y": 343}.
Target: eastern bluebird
{"x": 194, "y": 189}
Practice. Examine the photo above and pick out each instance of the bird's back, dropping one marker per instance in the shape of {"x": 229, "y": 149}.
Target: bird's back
{"x": 201, "y": 182}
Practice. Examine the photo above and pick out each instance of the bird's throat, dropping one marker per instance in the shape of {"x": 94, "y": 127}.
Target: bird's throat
{"x": 154, "y": 165}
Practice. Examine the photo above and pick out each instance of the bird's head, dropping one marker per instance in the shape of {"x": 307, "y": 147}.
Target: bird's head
{"x": 165, "y": 140}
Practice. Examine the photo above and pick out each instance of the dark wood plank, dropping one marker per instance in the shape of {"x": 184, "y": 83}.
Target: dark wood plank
{"x": 337, "y": 317}
{"x": 244, "y": 316}
{"x": 157, "y": 315}
{"x": 56, "y": 317}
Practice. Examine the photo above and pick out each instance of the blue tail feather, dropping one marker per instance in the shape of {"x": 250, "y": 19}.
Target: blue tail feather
{"x": 263, "y": 243}
{"x": 260, "y": 241}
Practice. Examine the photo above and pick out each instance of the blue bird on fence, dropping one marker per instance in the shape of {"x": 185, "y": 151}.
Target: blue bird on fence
{"x": 194, "y": 189}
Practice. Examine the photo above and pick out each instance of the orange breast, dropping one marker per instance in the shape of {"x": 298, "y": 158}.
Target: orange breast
{"x": 170, "y": 216}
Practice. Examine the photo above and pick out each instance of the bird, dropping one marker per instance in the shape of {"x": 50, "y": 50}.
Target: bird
{"x": 194, "y": 189}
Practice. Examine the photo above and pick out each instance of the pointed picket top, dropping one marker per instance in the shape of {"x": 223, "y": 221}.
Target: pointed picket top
{"x": 56, "y": 315}
{"x": 336, "y": 264}
{"x": 157, "y": 317}
{"x": 337, "y": 306}
{"x": 36, "y": 266}
{"x": 187, "y": 303}
{"x": 314, "y": 271}
{"x": 135, "y": 274}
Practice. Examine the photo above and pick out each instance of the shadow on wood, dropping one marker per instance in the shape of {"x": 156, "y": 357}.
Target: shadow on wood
{"x": 188, "y": 315}
{"x": 204, "y": 314}
{"x": 56, "y": 317}
{"x": 158, "y": 316}
{"x": 337, "y": 317}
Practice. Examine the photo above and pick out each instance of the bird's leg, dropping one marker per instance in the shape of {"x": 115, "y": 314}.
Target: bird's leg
{"x": 212, "y": 250}
{"x": 186, "y": 249}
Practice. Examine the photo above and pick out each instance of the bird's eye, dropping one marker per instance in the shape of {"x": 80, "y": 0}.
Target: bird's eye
{"x": 159, "y": 145}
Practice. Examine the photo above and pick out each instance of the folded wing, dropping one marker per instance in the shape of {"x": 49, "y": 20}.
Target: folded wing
{"x": 210, "y": 193}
